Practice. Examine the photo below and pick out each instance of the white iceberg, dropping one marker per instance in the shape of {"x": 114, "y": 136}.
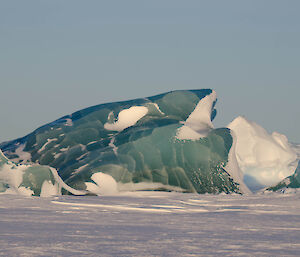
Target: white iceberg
{"x": 265, "y": 159}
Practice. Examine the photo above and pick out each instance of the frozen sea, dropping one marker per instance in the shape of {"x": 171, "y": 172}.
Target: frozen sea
{"x": 151, "y": 224}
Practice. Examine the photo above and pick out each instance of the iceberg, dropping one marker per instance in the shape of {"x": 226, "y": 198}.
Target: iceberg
{"x": 265, "y": 159}
{"x": 164, "y": 142}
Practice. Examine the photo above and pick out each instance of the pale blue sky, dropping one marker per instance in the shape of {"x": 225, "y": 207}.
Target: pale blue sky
{"x": 59, "y": 56}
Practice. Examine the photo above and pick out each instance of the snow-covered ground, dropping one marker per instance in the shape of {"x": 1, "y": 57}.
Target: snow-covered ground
{"x": 151, "y": 224}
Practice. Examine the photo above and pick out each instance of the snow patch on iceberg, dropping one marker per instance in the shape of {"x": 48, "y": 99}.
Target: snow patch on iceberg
{"x": 69, "y": 122}
{"x": 24, "y": 156}
{"x": 264, "y": 159}
{"x": 127, "y": 118}
{"x": 198, "y": 124}
{"x": 47, "y": 143}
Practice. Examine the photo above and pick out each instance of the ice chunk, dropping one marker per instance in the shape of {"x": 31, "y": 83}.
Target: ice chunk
{"x": 264, "y": 159}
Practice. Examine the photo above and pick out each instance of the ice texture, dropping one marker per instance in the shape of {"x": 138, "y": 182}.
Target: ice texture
{"x": 199, "y": 123}
{"x": 25, "y": 179}
{"x": 265, "y": 159}
{"x": 163, "y": 142}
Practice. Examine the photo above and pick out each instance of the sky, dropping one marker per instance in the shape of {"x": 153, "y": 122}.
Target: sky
{"x": 57, "y": 57}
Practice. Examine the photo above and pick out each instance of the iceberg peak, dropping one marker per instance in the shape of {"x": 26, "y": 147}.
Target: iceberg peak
{"x": 199, "y": 123}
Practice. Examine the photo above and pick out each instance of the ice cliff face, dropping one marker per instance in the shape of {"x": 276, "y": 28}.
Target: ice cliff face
{"x": 265, "y": 159}
{"x": 164, "y": 142}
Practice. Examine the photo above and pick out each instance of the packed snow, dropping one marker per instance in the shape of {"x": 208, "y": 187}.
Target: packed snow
{"x": 127, "y": 118}
{"x": 151, "y": 224}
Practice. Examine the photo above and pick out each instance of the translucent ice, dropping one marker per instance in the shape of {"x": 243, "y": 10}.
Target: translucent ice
{"x": 163, "y": 142}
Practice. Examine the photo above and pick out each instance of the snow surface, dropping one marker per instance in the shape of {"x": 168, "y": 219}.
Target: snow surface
{"x": 198, "y": 124}
{"x": 264, "y": 159}
{"x": 151, "y": 224}
{"x": 24, "y": 156}
{"x": 127, "y": 118}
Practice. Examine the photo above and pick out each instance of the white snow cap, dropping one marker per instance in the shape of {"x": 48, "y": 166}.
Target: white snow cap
{"x": 127, "y": 118}
{"x": 264, "y": 159}
{"x": 198, "y": 124}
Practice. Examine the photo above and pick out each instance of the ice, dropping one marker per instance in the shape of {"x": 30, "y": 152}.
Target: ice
{"x": 81, "y": 168}
{"x": 163, "y": 142}
{"x": 264, "y": 159}
{"x": 22, "y": 155}
{"x": 146, "y": 148}
{"x": 25, "y": 179}
{"x": 144, "y": 186}
{"x": 233, "y": 167}
{"x": 112, "y": 145}
{"x": 199, "y": 123}
{"x": 296, "y": 148}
